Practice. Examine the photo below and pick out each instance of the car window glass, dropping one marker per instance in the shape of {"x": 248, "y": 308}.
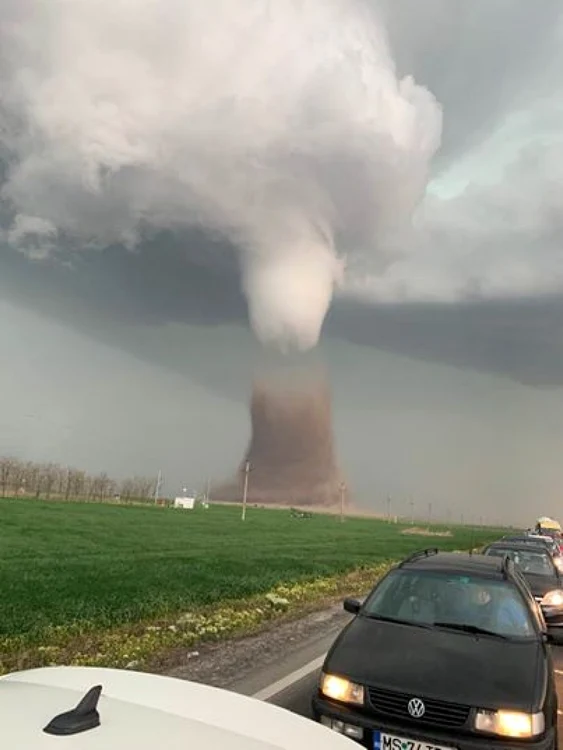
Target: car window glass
{"x": 529, "y": 561}
{"x": 423, "y": 597}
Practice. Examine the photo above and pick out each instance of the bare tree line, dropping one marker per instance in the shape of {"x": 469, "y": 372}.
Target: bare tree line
{"x": 51, "y": 481}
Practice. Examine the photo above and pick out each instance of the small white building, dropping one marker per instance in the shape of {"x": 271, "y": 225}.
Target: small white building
{"x": 187, "y": 503}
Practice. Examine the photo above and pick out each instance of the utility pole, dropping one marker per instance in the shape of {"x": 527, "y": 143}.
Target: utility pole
{"x": 388, "y": 508}
{"x": 429, "y": 513}
{"x": 157, "y": 488}
{"x": 411, "y": 503}
{"x": 207, "y": 487}
{"x": 342, "y": 495}
{"x": 247, "y": 471}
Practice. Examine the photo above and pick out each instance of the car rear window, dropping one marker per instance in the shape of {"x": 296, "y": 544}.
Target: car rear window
{"x": 429, "y": 597}
{"x": 545, "y": 541}
{"x": 534, "y": 562}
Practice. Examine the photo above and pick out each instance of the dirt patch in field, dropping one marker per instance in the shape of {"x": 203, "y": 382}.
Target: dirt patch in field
{"x": 416, "y": 531}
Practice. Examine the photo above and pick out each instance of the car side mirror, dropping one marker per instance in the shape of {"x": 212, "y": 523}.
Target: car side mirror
{"x": 352, "y": 606}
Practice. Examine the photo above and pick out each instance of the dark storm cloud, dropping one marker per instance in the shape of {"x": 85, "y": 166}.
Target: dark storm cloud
{"x": 191, "y": 278}
{"x": 522, "y": 340}
{"x": 485, "y": 61}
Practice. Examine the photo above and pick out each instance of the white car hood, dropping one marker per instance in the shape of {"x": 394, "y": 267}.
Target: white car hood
{"x": 145, "y": 712}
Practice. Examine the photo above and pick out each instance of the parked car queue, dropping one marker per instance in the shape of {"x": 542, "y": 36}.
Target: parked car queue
{"x": 451, "y": 651}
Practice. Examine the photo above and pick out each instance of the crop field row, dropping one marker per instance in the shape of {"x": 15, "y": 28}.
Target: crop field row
{"x": 106, "y": 566}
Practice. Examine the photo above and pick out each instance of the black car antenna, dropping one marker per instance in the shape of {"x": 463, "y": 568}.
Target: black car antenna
{"x": 83, "y": 717}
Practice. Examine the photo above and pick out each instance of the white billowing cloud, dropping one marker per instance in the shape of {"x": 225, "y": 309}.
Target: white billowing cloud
{"x": 491, "y": 223}
{"x": 281, "y": 125}
{"x": 285, "y": 127}
{"x": 491, "y": 228}
{"x": 34, "y": 234}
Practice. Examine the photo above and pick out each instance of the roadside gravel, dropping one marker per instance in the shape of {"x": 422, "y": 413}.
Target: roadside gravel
{"x": 227, "y": 663}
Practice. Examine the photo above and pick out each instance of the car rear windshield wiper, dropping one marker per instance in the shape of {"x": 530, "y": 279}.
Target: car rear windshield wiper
{"x": 397, "y": 621}
{"x": 475, "y": 629}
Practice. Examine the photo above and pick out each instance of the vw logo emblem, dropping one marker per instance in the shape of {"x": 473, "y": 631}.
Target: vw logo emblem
{"x": 416, "y": 708}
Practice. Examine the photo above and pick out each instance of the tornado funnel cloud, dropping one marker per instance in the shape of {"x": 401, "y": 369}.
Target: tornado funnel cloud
{"x": 291, "y": 453}
{"x": 281, "y": 126}
{"x": 289, "y": 295}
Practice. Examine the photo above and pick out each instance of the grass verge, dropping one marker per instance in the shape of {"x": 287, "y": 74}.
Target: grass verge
{"x": 146, "y": 644}
{"x": 123, "y": 586}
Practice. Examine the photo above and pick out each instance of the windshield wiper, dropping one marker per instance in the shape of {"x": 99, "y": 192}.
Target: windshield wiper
{"x": 397, "y": 621}
{"x": 474, "y": 629}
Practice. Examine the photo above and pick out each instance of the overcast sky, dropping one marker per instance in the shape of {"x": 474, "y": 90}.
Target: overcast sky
{"x": 137, "y": 238}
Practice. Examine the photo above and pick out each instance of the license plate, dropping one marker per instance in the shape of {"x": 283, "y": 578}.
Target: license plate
{"x": 384, "y": 741}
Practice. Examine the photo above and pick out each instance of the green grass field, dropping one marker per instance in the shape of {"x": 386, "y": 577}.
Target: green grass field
{"x": 111, "y": 565}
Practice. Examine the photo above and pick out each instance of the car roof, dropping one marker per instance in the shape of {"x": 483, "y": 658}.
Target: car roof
{"x": 455, "y": 562}
{"x": 142, "y": 711}
{"x": 547, "y": 540}
{"x": 523, "y": 546}
{"x": 544, "y": 542}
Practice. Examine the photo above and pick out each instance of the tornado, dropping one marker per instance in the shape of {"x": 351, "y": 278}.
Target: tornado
{"x": 291, "y": 455}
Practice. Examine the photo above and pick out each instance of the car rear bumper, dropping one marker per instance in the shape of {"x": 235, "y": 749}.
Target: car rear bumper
{"x": 448, "y": 739}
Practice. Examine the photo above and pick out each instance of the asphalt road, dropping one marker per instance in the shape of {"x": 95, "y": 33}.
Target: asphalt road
{"x": 296, "y": 697}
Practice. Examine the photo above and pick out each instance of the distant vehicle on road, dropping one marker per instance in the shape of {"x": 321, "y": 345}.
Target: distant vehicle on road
{"x": 81, "y": 708}
{"x": 448, "y": 651}
{"x": 541, "y": 574}
{"x": 551, "y": 528}
{"x": 544, "y": 523}
{"x": 556, "y": 537}
{"x": 532, "y": 538}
